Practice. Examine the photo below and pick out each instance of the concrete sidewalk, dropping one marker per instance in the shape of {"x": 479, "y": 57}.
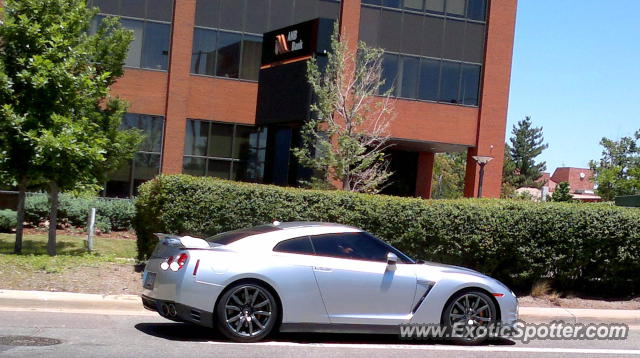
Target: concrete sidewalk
{"x": 131, "y": 305}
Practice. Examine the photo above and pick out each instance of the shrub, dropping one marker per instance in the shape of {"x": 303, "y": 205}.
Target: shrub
{"x": 112, "y": 214}
{"x": 8, "y": 220}
{"x": 583, "y": 247}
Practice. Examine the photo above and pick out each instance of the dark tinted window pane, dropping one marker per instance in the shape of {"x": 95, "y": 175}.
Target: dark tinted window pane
{"x": 251, "y": 56}
{"x": 145, "y": 167}
{"x": 256, "y": 16}
{"x": 391, "y": 30}
{"x": 107, "y": 6}
{"x": 207, "y": 13}
{"x": 372, "y": 2}
{"x": 329, "y": 9}
{"x": 193, "y": 166}
{"x": 301, "y": 245}
{"x": 231, "y": 14}
{"x": 369, "y": 25}
{"x": 391, "y": 3}
{"x": 135, "y": 48}
{"x": 133, "y": 8}
{"x": 119, "y": 183}
{"x": 219, "y": 169}
{"x": 412, "y": 30}
{"x": 196, "y": 134}
{"x": 356, "y": 246}
{"x": 455, "y": 7}
{"x": 281, "y": 14}
{"x": 432, "y": 36}
{"x": 203, "y": 57}
{"x": 242, "y": 144}
{"x": 470, "y": 84}
{"x": 305, "y": 10}
{"x": 435, "y": 6}
{"x": 476, "y": 9}
{"x": 152, "y": 128}
{"x": 474, "y": 42}
{"x": 409, "y": 77}
{"x": 389, "y": 72}
{"x": 220, "y": 140}
{"x": 429, "y": 79}
{"x": 155, "y": 53}
{"x": 228, "y": 54}
{"x": 228, "y": 237}
{"x": 454, "y": 39}
{"x": 413, "y": 4}
{"x": 160, "y": 10}
{"x": 449, "y": 82}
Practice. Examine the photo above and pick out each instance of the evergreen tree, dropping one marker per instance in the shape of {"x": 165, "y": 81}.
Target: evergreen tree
{"x": 562, "y": 193}
{"x": 527, "y": 143}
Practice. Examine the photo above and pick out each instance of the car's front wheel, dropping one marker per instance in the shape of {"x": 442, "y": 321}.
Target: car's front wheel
{"x": 246, "y": 312}
{"x": 469, "y": 317}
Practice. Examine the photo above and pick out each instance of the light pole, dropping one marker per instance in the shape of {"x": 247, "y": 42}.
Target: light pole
{"x": 482, "y": 161}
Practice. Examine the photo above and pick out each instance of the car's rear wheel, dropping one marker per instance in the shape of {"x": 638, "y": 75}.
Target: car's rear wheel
{"x": 469, "y": 317}
{"x": 246, "y": 312}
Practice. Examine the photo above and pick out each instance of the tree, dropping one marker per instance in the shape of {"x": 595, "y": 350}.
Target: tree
{"x": 562, "y": 193}
{"x": 448, "y": 175}
{"x": 618, "y": 171}
{"x": 526, "y": 145}
{"x": 347, "y": 137}
{"x": 59, "y": 125}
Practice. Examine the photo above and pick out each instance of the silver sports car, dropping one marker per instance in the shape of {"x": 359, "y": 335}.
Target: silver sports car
{"x": 313, "y": 277}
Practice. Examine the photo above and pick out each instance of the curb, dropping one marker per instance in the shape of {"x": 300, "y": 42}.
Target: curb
{"x": 132, "y": 305}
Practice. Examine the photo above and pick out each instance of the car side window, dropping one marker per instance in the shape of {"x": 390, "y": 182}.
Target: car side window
{"x": 352, "y": 245}
{"x": 299, "y": 245}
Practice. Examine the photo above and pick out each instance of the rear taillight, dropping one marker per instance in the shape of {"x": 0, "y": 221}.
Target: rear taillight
{"x": 165, "y": 265}
{"x": 179, "y": 262}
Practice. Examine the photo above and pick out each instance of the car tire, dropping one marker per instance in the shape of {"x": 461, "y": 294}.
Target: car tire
{"x": 469, "y": 309}
{"x": 246, "y": 312}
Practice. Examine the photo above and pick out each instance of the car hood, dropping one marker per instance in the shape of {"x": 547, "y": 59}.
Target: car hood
{"x": 435, "y": 266}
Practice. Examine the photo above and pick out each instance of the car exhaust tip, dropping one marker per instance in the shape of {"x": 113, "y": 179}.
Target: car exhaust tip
{"x": 172, "y": 310}
{"x": 165, "y": 309}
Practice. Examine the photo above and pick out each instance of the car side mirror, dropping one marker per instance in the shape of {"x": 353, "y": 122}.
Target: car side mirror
{"x": 392, "y": 259}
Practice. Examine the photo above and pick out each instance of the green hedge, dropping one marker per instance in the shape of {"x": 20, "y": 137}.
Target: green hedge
{"x": 8, "y": 220}
{"x": 111, "y": 214}
{"x": 583, "y": 247}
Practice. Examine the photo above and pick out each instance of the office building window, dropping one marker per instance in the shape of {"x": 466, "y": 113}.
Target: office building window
{"x": 471, "y": 9}
{"x": 227, "y": 40}
{"x": 224, "y": 150}
{"x": 150, "y": 45}
{"x": 145, "y": 164}
{"x": 431, "y": 79}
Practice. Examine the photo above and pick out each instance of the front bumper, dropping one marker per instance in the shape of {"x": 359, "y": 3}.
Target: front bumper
{"x": 178, "y": 312}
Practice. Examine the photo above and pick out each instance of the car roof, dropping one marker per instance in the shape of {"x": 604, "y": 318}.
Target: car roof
{"x": 305, "y": 224}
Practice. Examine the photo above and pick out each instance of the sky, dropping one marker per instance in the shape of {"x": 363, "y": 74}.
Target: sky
{"x": 576, "y": 72}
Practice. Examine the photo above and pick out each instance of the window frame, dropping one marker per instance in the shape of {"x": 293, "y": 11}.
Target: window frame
{"x": 402, "y": 257}
{"x": 307, "y": 237}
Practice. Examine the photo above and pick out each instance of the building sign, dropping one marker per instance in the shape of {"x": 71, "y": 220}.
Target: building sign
{"x": 290, "y": 43}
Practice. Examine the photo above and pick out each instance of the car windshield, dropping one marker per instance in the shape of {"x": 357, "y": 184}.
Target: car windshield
{"x": 228, "y": 237}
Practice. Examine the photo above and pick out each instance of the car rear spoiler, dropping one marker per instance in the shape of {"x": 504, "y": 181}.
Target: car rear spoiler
{"x": 183, "y": 242}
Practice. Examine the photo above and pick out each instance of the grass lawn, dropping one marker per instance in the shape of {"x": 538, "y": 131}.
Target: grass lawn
{"x": 71, "y": 252}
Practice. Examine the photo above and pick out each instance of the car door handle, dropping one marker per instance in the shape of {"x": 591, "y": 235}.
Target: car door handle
{"x": 321, "y": 269}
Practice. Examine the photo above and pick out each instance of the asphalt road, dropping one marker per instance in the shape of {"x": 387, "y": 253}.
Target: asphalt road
{"x": 104, "y": 335}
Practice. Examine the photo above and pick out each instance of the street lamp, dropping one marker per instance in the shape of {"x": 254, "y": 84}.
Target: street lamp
{"x": 482, "y": 161}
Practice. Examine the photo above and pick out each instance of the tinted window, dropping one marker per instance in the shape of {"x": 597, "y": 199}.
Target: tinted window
{"x": 300, "y": 245}
{"x": 390, "y": 36}
{"x": 220, "y": 140}
{"x": 281, "y": 14}
{"x": 155, "y": 52}
{"x": 470, "y": 84}
{"x": 429, "y": 79}
{"x": 413, "y": 4}
{"x": 474, "y": 42}
{"x": 369, "y": 25}
{"x": 409, "y": 77}
{"x": 231, "y": 13}
{"x": 203, "y": 57}
{"x": 436, "y": 6}
{"x": 196, "y": 136}
{"x": 251, "y": 56}
{"x": 453, "y": 39}
{"x": 412, "y": 25}
{"x": 449, "y": 82}
{"x": 391, "y": 3}
{"x": 432, "y": 36}
{"x": 354, "y": 245}
{"x": 219, "y": 168}
{"x": 133, "y": 8}
{"x": 256, "y": 16}
{"x": 207, "y": 13}
{"x": 160, "y": 10}
{"x": 194, "y": 166}
{"x": 455, "y": 7}
{"x": 228, "y": 237}
{"x": 389, "y": 72}
{"x": 476, "y": 9}
{"x": 228, "y": 60}
{"x": 135, "y": 48}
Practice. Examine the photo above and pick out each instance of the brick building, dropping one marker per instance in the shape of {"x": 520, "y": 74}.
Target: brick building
{"x": 193, "y": 69}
